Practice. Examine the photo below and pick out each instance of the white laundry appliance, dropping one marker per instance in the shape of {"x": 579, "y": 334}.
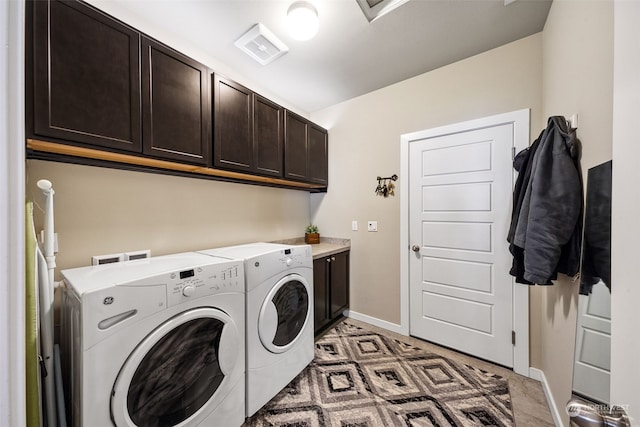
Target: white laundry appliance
{"x": 279, "y": 315}
{"x": 155, "y": 342}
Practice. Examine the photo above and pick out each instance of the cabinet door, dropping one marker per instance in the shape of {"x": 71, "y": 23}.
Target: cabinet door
{"x": 295, "y": 147}
{"x": 176, "y": 111}
{"x": 339, "y": 282}
{"x": 267, "y": 137}
{"x": 305, "y": 150}
{"x": 86, "y": 84}
{"x": 320, "y": 293}
{"x": 317, "y": 155}
{"x": 233, "y": 125}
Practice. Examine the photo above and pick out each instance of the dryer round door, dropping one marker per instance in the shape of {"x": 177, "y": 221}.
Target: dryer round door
{"x": 179, "y": 372}
{"x": 284, "y": 313}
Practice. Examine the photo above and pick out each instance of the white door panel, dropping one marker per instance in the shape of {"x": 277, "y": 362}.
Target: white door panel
{"x": 460, "y": 289}
{"x": 456, "y": 273}
{"x": 466, "y": 197}
{"x": 592, "y": 364}
{"x": 473, "y": 236}
{"x": 446, "y": 158}
{"x": 458, "y": 312}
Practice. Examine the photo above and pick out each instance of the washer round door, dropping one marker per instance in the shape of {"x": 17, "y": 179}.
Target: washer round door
{"x": 178, "y": 372}
{"x": 285, "y": 312}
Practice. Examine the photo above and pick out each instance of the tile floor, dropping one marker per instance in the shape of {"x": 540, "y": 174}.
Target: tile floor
{"x": 529, "y": 402}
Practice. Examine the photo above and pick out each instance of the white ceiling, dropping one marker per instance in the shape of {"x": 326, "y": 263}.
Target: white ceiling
{"x": 349, "y": 56}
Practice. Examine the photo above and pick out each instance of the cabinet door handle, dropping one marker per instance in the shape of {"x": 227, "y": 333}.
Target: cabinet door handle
{"x": 333, "y": 258}
{"x": 329, "y": 259}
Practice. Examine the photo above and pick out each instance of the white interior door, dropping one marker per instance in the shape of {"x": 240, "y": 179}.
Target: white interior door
{"x": 460, "y": 290}
{"x": 592, "y": 365}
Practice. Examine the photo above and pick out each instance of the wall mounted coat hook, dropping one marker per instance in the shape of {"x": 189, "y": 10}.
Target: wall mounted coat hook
{"x": 386, "y": 186}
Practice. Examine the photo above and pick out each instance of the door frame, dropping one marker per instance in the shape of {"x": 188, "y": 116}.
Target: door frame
{"x": 12, "y": 216}
{"x": 521, "y": 122}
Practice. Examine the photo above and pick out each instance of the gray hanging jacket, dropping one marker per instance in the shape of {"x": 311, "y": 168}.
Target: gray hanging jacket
{"x": 549, "y": 220}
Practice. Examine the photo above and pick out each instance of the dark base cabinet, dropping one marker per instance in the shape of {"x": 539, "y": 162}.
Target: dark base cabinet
{"x": 331, "y": 288}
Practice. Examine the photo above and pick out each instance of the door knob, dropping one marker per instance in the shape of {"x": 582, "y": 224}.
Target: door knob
{"x": 415, "y": 248}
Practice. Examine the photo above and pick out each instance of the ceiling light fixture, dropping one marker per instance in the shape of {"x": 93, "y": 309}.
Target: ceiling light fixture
{"x": 302, "y": 19}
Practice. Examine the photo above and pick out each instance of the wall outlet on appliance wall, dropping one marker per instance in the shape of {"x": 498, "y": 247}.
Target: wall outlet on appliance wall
{"x": 372, "y": 226}
{"x": 354, "y": 225}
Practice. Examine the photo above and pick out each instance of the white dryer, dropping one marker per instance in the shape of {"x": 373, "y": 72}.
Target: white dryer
{"x": 155, "y": 342}
{"x": 279, "y": 316}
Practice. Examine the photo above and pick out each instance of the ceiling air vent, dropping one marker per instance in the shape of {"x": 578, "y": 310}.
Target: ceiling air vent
{"x": 261, "y": 44}
{"x": 374, "y": 9}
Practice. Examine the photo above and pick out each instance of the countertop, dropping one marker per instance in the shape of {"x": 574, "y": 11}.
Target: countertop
{"x": 327, "y": 245}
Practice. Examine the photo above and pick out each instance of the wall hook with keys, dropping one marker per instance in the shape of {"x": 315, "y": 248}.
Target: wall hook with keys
{"x": 386, "y": 186}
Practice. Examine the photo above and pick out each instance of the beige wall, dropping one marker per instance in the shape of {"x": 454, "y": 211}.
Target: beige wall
{"x": 577, "y": 78}
{"x": 103, "y": 211}
{"x": 364, "y": 142}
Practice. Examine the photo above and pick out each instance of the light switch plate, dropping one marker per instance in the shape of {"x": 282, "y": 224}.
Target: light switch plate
{"x": 372, "y": 226}
{"x": 354, "y": 225}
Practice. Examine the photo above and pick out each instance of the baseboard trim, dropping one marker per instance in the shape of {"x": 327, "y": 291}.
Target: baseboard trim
{"x": 393, "y": 327}
{"x": 538, "y": 374}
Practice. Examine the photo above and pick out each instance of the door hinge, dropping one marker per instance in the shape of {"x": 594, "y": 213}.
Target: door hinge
{"x": 513, "y": 337}
{"x": 513, "y": 153}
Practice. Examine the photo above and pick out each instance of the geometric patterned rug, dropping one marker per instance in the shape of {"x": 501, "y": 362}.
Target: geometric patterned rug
{"x": 360, "y": 378}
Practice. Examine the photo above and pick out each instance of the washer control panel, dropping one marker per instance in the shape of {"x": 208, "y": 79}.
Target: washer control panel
{"x": 295, "y": 257}
{"x": 204, "y": 280}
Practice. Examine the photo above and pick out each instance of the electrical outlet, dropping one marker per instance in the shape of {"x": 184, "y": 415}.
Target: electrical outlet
{"x": 354, "y": 225}
{"x": 372, "y": 226}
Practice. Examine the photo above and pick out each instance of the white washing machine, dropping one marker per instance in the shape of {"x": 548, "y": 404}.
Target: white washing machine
{"x": 155, "y": 342}
{"x": 279, "y": 316}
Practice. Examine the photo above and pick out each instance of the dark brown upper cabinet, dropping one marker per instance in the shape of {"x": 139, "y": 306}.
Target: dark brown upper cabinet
{"x": 233, "y": 125}
{"x": 306, "y": 150}
{"x": 126, "y": 100}
{"x": 99, "y": 83}
{"x": 318, "y": 155}
{"x": 268, "y": 136}
{"x": 295, "y": 146}
{"x": 85, "y": 76}
{"x": 248, "y": 130}
{"x": 176, "y": 107}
